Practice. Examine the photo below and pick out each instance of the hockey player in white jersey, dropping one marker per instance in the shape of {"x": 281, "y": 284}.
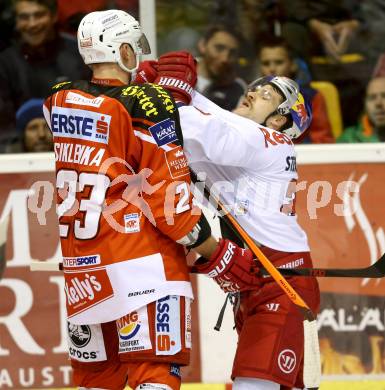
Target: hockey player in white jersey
{"x": 248, "y": 158}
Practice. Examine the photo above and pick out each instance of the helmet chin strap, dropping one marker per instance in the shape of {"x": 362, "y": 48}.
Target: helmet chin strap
{"x": 275, "y": 112}
{"x": 133, "y": 70}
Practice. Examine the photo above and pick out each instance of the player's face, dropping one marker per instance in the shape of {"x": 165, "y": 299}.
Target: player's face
{"x": 257, "y": 105}
{"x": 220, "y": 53}
{"x": 37, "y": 136}
{"x": 34, "y": 22}
{"x": 275, "y": 61}
{"x": 375, "y": 101}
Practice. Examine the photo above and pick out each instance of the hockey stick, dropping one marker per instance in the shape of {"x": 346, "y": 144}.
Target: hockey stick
{"x": 48, "y": 266}
{"x": 3, "y": 239}
{"x": 312, "y": 359}
{"x": 376, "y": 270}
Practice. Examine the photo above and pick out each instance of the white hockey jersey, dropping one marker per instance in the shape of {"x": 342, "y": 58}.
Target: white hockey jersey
{"x": 251, "y": 167}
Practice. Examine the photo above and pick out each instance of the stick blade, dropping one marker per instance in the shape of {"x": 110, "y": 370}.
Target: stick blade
{"x": 380, "y": 266}
{"x": 376, "y": 270}
{"x": 312, "y": 357}
{"x": 3, "y": 238}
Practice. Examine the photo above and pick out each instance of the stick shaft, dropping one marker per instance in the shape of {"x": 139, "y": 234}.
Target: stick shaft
{"x": 376, "y": 270}
{"x": 48, "y": 266}
{"x": 276, "y": 275}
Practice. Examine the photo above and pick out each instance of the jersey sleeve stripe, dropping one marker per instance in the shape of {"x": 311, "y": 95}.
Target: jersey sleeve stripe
{"x": 144, "y": 121}
{"x": 150, "y": 139}
{"x": 141, "y": 127}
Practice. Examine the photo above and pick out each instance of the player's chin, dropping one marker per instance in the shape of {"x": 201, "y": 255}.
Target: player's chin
{"x": 241, "y": 110}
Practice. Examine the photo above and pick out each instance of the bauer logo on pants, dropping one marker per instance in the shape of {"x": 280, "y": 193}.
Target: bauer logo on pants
{"x": 287, "y": 361}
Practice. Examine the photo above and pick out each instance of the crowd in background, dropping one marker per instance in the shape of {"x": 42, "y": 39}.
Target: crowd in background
{"x": 334, "y": 49}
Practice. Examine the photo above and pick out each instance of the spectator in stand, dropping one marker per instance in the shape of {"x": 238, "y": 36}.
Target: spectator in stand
{"x": 275, "y": 58}
{"x": 5, "y": 23}
{"x": 379, "y": 70}
{"x": 371, "y": 127}
{"x": 217, "y": 66}
{"x": 71, "y": 13}
{"x": 36, "y": 61}
{"x": 34, "y": 134}
{"x": 330, "y": 35}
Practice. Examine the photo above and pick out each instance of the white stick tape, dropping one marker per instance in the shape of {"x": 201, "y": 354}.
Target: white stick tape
{"x": 45, "y": 266}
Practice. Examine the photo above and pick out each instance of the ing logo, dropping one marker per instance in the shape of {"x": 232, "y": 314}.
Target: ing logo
{"x": 128, "y": 326}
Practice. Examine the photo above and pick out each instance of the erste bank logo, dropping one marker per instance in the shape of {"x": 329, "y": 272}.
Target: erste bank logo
{"x": 80, "y": 124}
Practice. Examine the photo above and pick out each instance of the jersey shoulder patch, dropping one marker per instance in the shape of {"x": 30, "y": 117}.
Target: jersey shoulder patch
{"x": 151, "y": 101}
{"x": 62, "y": 85}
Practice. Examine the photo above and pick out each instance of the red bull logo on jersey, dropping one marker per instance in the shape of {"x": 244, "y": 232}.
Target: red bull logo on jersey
{"x": 80, "y": 124}
{"x": 128, "y": 326}
{"x": 274, "y": 138}
{"x": 300, "y": 110}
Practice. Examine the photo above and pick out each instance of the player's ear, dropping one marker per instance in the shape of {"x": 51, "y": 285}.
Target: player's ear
{"x": 124, "y": 51}
{"x": 277, "y": 122}
{"x": 293, "y": 67}
{"x": 201, "y": 46}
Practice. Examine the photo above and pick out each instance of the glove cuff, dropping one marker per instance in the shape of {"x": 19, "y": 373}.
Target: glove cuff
{"x": 181, "y": 90}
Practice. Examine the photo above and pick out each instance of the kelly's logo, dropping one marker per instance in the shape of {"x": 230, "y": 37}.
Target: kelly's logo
{"x": 86, "y": 289}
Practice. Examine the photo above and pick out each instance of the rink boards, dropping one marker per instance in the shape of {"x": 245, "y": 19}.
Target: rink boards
{"x": 32, "y": 320}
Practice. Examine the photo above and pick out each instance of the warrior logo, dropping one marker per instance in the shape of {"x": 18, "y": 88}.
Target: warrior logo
{"x": 287, "y": 361}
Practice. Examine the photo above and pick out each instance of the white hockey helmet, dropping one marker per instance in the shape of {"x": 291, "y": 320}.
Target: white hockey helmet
{"x": 101, "y": 33}
{"x": 293, "y": 105}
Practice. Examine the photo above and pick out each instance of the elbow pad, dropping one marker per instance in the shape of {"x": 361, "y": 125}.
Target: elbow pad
{"x": 199, "y": 233}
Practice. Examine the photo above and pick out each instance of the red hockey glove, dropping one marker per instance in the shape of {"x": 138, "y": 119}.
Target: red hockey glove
{"x": 177, "y": 73}
{"x": 232, "y": 267}
{"x": 146, "y": 72}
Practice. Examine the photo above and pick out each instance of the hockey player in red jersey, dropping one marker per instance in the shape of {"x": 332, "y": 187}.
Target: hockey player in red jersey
{"x": 248, "y": 158}
{"x": 126, "y": 214}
